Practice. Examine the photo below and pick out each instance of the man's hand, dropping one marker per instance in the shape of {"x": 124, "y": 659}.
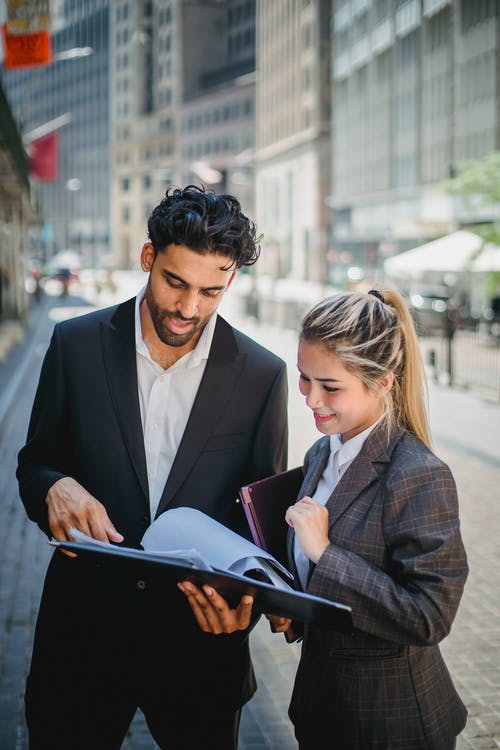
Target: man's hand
{"x": 309, "y": 520}
{"x": 70, "y": 505}
{"x": 213, "y": 613}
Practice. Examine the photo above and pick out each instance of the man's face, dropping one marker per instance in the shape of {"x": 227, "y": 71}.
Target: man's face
{"x": 184, "y": 290}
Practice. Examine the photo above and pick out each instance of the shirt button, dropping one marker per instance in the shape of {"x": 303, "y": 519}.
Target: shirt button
{"x": 141, "y": 585}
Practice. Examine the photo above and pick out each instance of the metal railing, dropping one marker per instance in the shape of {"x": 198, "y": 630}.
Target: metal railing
{"x": 467, "y": 357}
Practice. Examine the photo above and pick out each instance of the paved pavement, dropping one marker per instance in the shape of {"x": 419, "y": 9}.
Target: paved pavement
{"x": 465, "y": 434}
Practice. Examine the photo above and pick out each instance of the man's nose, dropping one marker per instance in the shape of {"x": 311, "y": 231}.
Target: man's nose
{"x": 188, "y": 304}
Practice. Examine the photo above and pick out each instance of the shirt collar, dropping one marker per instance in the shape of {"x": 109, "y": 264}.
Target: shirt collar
{"x": 192, "y": 358}
{"x": 349, "y": 450}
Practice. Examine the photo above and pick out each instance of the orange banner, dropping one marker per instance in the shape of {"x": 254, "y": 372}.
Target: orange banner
{"x": 22, "y": 50}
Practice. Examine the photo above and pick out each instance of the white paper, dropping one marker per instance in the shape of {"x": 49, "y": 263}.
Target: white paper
{"x": 221, "y": 547}
{"x": 189, "y": 557}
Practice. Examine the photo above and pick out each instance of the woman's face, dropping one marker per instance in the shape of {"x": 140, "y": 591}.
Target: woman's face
{"x": 340, "y": 401}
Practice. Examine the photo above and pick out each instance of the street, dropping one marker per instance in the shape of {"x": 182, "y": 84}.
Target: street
{"x": 465, "y": 434}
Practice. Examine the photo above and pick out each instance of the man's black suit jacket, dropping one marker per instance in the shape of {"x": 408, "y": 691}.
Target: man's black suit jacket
{"x": 86, "y": 424}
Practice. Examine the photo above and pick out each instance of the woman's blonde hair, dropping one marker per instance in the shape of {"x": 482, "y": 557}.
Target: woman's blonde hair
{"x": 373, "y": 335}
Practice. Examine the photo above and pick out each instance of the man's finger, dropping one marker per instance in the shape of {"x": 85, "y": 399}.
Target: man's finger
{"x": 203, "y": 611}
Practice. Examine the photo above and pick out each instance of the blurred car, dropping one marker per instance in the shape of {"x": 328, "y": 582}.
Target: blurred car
{"x": 432, "y": 312}
{"x": 57, "y": 281}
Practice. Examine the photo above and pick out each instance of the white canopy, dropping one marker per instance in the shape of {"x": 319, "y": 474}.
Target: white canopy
{"x": 453, "y": 253}
{"x": 487, "y": 260}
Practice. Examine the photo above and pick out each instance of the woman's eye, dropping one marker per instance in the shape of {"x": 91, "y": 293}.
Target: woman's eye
{"x": 330, "y": 389}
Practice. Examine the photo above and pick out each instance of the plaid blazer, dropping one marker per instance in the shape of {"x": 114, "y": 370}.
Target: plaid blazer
{"x": 396, "y": 557}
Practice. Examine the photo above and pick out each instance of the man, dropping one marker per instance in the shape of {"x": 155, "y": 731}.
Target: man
{"x": 153, "y": 404}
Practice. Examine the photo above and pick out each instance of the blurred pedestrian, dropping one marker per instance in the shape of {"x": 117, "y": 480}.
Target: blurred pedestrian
{"x": 152, "y": 404}
{"x": 376, "y": 528}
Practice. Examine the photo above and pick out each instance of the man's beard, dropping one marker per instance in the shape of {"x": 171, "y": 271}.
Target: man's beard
{"x": 162, "y": 331}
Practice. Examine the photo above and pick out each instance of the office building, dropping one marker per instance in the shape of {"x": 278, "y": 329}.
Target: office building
{"x": 72, "y": 95}
{"x": 292, "y": 163}
{"x": 181, "y": 106}
{"x": 415, "y": 92}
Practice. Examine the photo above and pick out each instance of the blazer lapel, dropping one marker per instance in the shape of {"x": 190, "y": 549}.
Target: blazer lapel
{"x": 365, "y": 469}
{"x": 313, "y": 474}
{"x": 119, "y": 354}
{"x": 221, "y": 376}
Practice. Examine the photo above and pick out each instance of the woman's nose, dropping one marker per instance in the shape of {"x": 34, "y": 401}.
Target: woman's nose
{"x": 314, "y": 397}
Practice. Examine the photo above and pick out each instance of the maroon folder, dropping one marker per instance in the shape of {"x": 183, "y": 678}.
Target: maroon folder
{"x": 265, "y": 503}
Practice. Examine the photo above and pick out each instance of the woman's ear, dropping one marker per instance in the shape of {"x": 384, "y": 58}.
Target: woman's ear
{"x": 387, "y": 381}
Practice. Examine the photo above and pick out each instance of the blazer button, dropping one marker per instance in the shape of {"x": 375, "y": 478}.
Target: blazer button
{"x": 141, "y": 585}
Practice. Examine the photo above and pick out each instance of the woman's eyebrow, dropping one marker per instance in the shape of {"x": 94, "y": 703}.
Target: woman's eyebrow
{"x": 320, "y": 380}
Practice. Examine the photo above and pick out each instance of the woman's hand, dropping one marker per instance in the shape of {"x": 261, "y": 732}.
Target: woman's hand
{"x": 213, "y": 614}
{"x": 309, "y": 520}
{"x": 279, "y": 624}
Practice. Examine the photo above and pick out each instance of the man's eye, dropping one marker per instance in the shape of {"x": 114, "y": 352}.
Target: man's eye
{"x": 211, "y": 292}
{"x": 174, "y": 284}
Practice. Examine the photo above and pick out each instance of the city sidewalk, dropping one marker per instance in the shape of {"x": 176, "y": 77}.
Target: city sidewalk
{"x": 464, "y": 429}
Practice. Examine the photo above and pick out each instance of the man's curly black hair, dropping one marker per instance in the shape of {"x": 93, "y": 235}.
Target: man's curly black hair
{"x": 206, "y": 223}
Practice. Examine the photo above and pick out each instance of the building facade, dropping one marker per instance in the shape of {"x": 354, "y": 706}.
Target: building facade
{"x": 415, "y": 92}
{"x": 292, "y": 126}
{"x": 182, "y": 81}
{"x": 74, "y": 90}
{"x": 18, "y": 214}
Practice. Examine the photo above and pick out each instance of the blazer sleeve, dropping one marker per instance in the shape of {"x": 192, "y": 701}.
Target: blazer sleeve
{"x": 270, "y": 444}
{"x": 414, "y": 598}
{"x": 42, "y": 461}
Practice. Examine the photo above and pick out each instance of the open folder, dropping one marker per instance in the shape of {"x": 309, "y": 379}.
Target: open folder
{"x": 186, "y": 544}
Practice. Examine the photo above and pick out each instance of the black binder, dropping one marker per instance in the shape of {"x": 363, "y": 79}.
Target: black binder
{"x": 148, "y": 570}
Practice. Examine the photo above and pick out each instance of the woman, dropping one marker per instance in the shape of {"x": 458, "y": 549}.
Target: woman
{"x": 376, "y": 528}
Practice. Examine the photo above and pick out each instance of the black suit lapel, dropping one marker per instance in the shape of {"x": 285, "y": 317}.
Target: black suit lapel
{"x": 221, "y": 376}
{"x": 119, "y": 354}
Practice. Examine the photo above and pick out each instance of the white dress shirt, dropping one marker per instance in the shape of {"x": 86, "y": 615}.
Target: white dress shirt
{"x": 166, "y": 398}
{"x": 341, "y": 457}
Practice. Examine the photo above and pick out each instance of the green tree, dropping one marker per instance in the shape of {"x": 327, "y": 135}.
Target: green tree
{"x": 478, "y": 183}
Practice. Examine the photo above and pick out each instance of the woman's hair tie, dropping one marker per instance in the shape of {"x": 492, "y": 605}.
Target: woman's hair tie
{"x": 377, "y": 294}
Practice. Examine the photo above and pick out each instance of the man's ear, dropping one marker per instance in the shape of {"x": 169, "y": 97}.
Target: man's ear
{"x": 147, "y": 257}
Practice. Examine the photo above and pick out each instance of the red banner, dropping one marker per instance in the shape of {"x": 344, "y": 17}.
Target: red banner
{"x": 43, "y": 158}
{"x": 22, "y": 50}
